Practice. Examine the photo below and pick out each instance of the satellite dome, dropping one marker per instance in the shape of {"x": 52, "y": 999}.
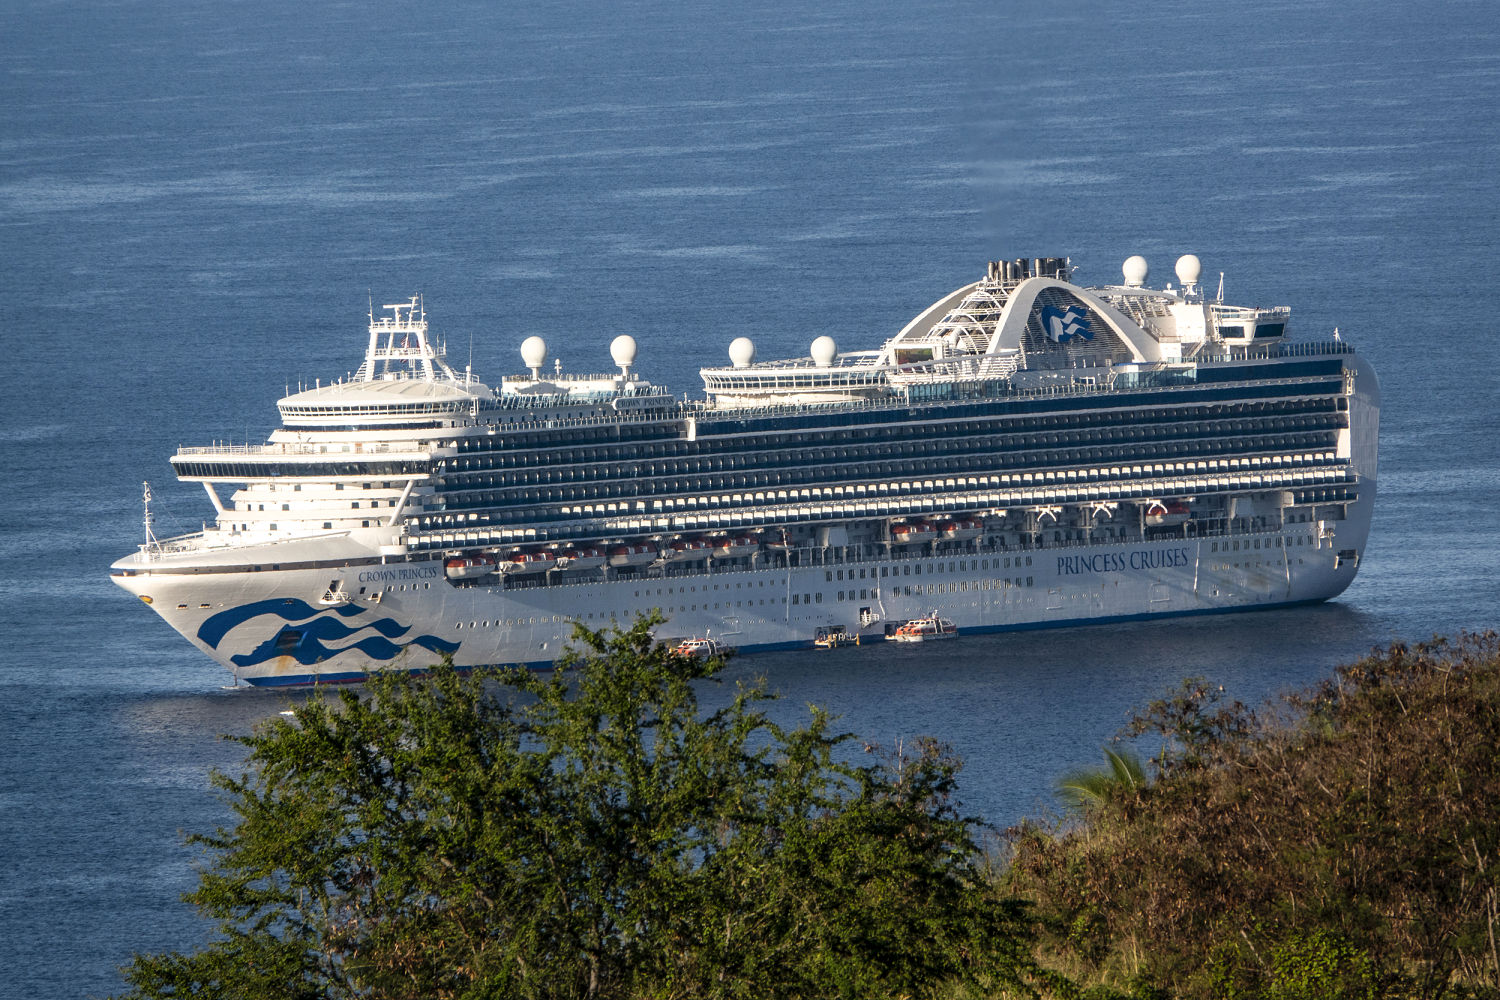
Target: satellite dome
{"x": 1135, "y": 271}
{"x": 533, "y": 353}
{"x": 1188, "y": 269}
{"x": 824, "y": 350}
{"x": 622, "y": 350}
{"x": 741, "y": 351}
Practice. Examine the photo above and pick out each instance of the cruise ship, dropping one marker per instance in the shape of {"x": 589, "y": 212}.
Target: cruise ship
{"x": 1027, "y": 452}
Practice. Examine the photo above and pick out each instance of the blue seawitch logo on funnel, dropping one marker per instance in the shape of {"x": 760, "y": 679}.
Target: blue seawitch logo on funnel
{"x": 1063, "y": 325}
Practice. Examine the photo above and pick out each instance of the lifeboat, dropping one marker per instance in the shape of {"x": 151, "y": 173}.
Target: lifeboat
{"x": 580, "y": 559}
{"x": 735, "y": 548}
{"x": 697, "y": 648}
{"x": 528, "y": 562}
{"x": 924, "y": 629}
{"x": 778, "y": 541}
{"x": 686, "y": 548}
{"x": 468, "y": 567}
{"x": 632, "y": 555}
{"x": 1159, "y": 512}
{"x": 912, "y": 532}
{"x": 961, "y": 530}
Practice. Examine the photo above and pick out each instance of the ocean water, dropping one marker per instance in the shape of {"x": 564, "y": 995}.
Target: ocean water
{"x": 197, "y": 200}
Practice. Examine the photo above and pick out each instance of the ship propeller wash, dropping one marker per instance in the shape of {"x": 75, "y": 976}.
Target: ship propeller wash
{"x": 1026, "y": 452}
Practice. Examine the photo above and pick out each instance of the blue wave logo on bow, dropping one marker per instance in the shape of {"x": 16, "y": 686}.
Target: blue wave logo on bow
{"x": 307, "y": 644}
{"x": 218, "y": 626}
{"x": 1063, "y": 325}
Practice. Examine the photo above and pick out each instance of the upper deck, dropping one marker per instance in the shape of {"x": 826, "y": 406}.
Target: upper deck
{"x": 1023, "y": 316}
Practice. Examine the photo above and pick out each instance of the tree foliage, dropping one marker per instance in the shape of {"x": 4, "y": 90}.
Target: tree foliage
{"x": 589, "y": 833}
{"x": 1086, "y": 788}
{"x": 1346, "y": 846}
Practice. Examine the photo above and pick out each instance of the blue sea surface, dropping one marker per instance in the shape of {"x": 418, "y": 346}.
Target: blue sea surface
{"x": 198, "y": 200}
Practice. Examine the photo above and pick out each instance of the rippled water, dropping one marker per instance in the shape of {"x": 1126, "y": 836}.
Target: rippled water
{"x": 196, "y": 200}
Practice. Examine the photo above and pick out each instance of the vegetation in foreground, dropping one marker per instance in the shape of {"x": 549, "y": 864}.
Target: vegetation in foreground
{"x": 596, "y": 834}
{"x": 1347, "y": 847}
{"x": 587, "y": 834}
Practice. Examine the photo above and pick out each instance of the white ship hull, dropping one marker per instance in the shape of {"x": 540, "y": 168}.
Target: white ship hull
{"x": 270, "y": 628}
{"x": 1026, "y": 453}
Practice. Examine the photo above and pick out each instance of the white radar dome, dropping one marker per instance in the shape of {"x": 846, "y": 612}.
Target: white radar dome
{"x": 824, "y": 350}
{"x": 741, "y": 351}
{"x": 533, "y": 353}
{"x": 1188, "y": 269}
{"x": 1135, "y": 271}
{"x": 622, "y": 350}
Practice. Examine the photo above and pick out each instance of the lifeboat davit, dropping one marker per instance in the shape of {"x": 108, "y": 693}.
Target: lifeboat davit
{"x": 468, "y": 567}
{"x": 580, "y": 559}
{"x": 735, "y": 548}
{"x": 632, "y": 555}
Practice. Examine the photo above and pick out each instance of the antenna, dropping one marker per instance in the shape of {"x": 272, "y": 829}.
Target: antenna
{"x": 1221, "y": 288}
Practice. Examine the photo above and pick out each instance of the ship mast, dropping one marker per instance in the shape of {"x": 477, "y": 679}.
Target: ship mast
{"x": 399, "y": 347}
{"x": 150, "y": 545}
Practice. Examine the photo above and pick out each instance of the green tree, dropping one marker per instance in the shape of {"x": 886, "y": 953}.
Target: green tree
{"x": 588, "y": 833}
{"x": 1087, "y": 787}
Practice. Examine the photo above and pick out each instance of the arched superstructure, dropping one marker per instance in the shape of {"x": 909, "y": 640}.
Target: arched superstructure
{"x": 1020, "y": 322}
